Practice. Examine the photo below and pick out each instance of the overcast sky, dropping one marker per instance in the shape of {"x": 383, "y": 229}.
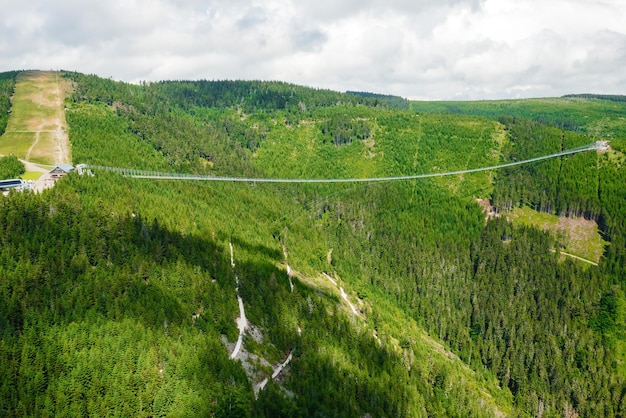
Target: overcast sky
{"x": 420, "y": 49}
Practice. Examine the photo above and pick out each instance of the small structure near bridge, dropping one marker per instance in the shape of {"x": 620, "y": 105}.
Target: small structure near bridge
{"x": 61, "y": 171}
{"x": 602, "y": 145}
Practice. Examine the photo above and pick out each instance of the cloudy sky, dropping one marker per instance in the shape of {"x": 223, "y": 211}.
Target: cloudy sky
{"x": 420, "y": 49}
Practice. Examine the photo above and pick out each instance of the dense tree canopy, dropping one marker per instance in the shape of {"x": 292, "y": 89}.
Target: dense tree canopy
{"x": 7, "y": 84}
{"x": 11, "y": 167}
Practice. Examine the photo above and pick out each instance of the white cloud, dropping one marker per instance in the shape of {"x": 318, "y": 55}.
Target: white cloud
{"x": 419, "y": 49}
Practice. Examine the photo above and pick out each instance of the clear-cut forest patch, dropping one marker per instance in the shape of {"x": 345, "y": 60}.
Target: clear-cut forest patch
{"x": 578, "y": 236}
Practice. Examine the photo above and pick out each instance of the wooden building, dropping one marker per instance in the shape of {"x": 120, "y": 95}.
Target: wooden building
{"x": 61, "y": 171}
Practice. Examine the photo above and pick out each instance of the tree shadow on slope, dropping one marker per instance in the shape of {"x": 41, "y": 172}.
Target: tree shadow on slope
{"x": 63, "y": 262}
{"x": 271, "y": 253}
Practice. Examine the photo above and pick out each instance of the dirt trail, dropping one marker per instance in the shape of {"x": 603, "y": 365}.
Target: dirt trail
{"x": 35, "y": 168}
{"x": 63, "y": 142}
{"x": 563, "y": 253}
{"x": 30, "y": 150}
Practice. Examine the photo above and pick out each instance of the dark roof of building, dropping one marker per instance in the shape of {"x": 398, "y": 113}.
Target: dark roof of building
{"x": 11, "y": 182}
{"x": 66, "y": 168}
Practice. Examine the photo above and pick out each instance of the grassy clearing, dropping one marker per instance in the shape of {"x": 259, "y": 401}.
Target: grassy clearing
{"x": 20, "y": 143}
{"x": 31, "y": 175}
{"x": 43, "y": 151}
{"x": 34, "y": 105}
{"x": 579, "y": 237}
{"x": 16, "y": 143}
{"x": 37, "y": 122}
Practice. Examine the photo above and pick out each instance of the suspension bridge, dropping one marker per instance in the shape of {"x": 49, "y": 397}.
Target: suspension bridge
{"x": 144, "y": 174}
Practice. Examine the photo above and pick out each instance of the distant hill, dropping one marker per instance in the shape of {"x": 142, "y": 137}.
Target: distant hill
{"x": 612, "y": 97}
{"x": 572, "y": 115}
{"x": 394, "y": 102}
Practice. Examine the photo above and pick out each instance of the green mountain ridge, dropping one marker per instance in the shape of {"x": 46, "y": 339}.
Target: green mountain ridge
{"x": 119, "y": 295}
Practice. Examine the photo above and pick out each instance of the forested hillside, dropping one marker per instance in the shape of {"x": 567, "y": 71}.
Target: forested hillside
{"x": 120, "y": 295}
{"x": 7, "y": 84}
{"x": 596, "y": 116}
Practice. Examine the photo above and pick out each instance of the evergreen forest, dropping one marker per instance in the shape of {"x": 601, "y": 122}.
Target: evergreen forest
{"x": 124, "y": 296}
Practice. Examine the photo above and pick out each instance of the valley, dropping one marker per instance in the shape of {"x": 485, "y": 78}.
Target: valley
{"x": 128, "y": 294}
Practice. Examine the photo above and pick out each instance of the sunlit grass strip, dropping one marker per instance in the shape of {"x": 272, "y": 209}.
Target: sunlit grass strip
{"x": 31, "y": 175}
{"x": 44, "y": 149}
{"x": 25, "y": 110}
{"x": 16, "y": 143}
